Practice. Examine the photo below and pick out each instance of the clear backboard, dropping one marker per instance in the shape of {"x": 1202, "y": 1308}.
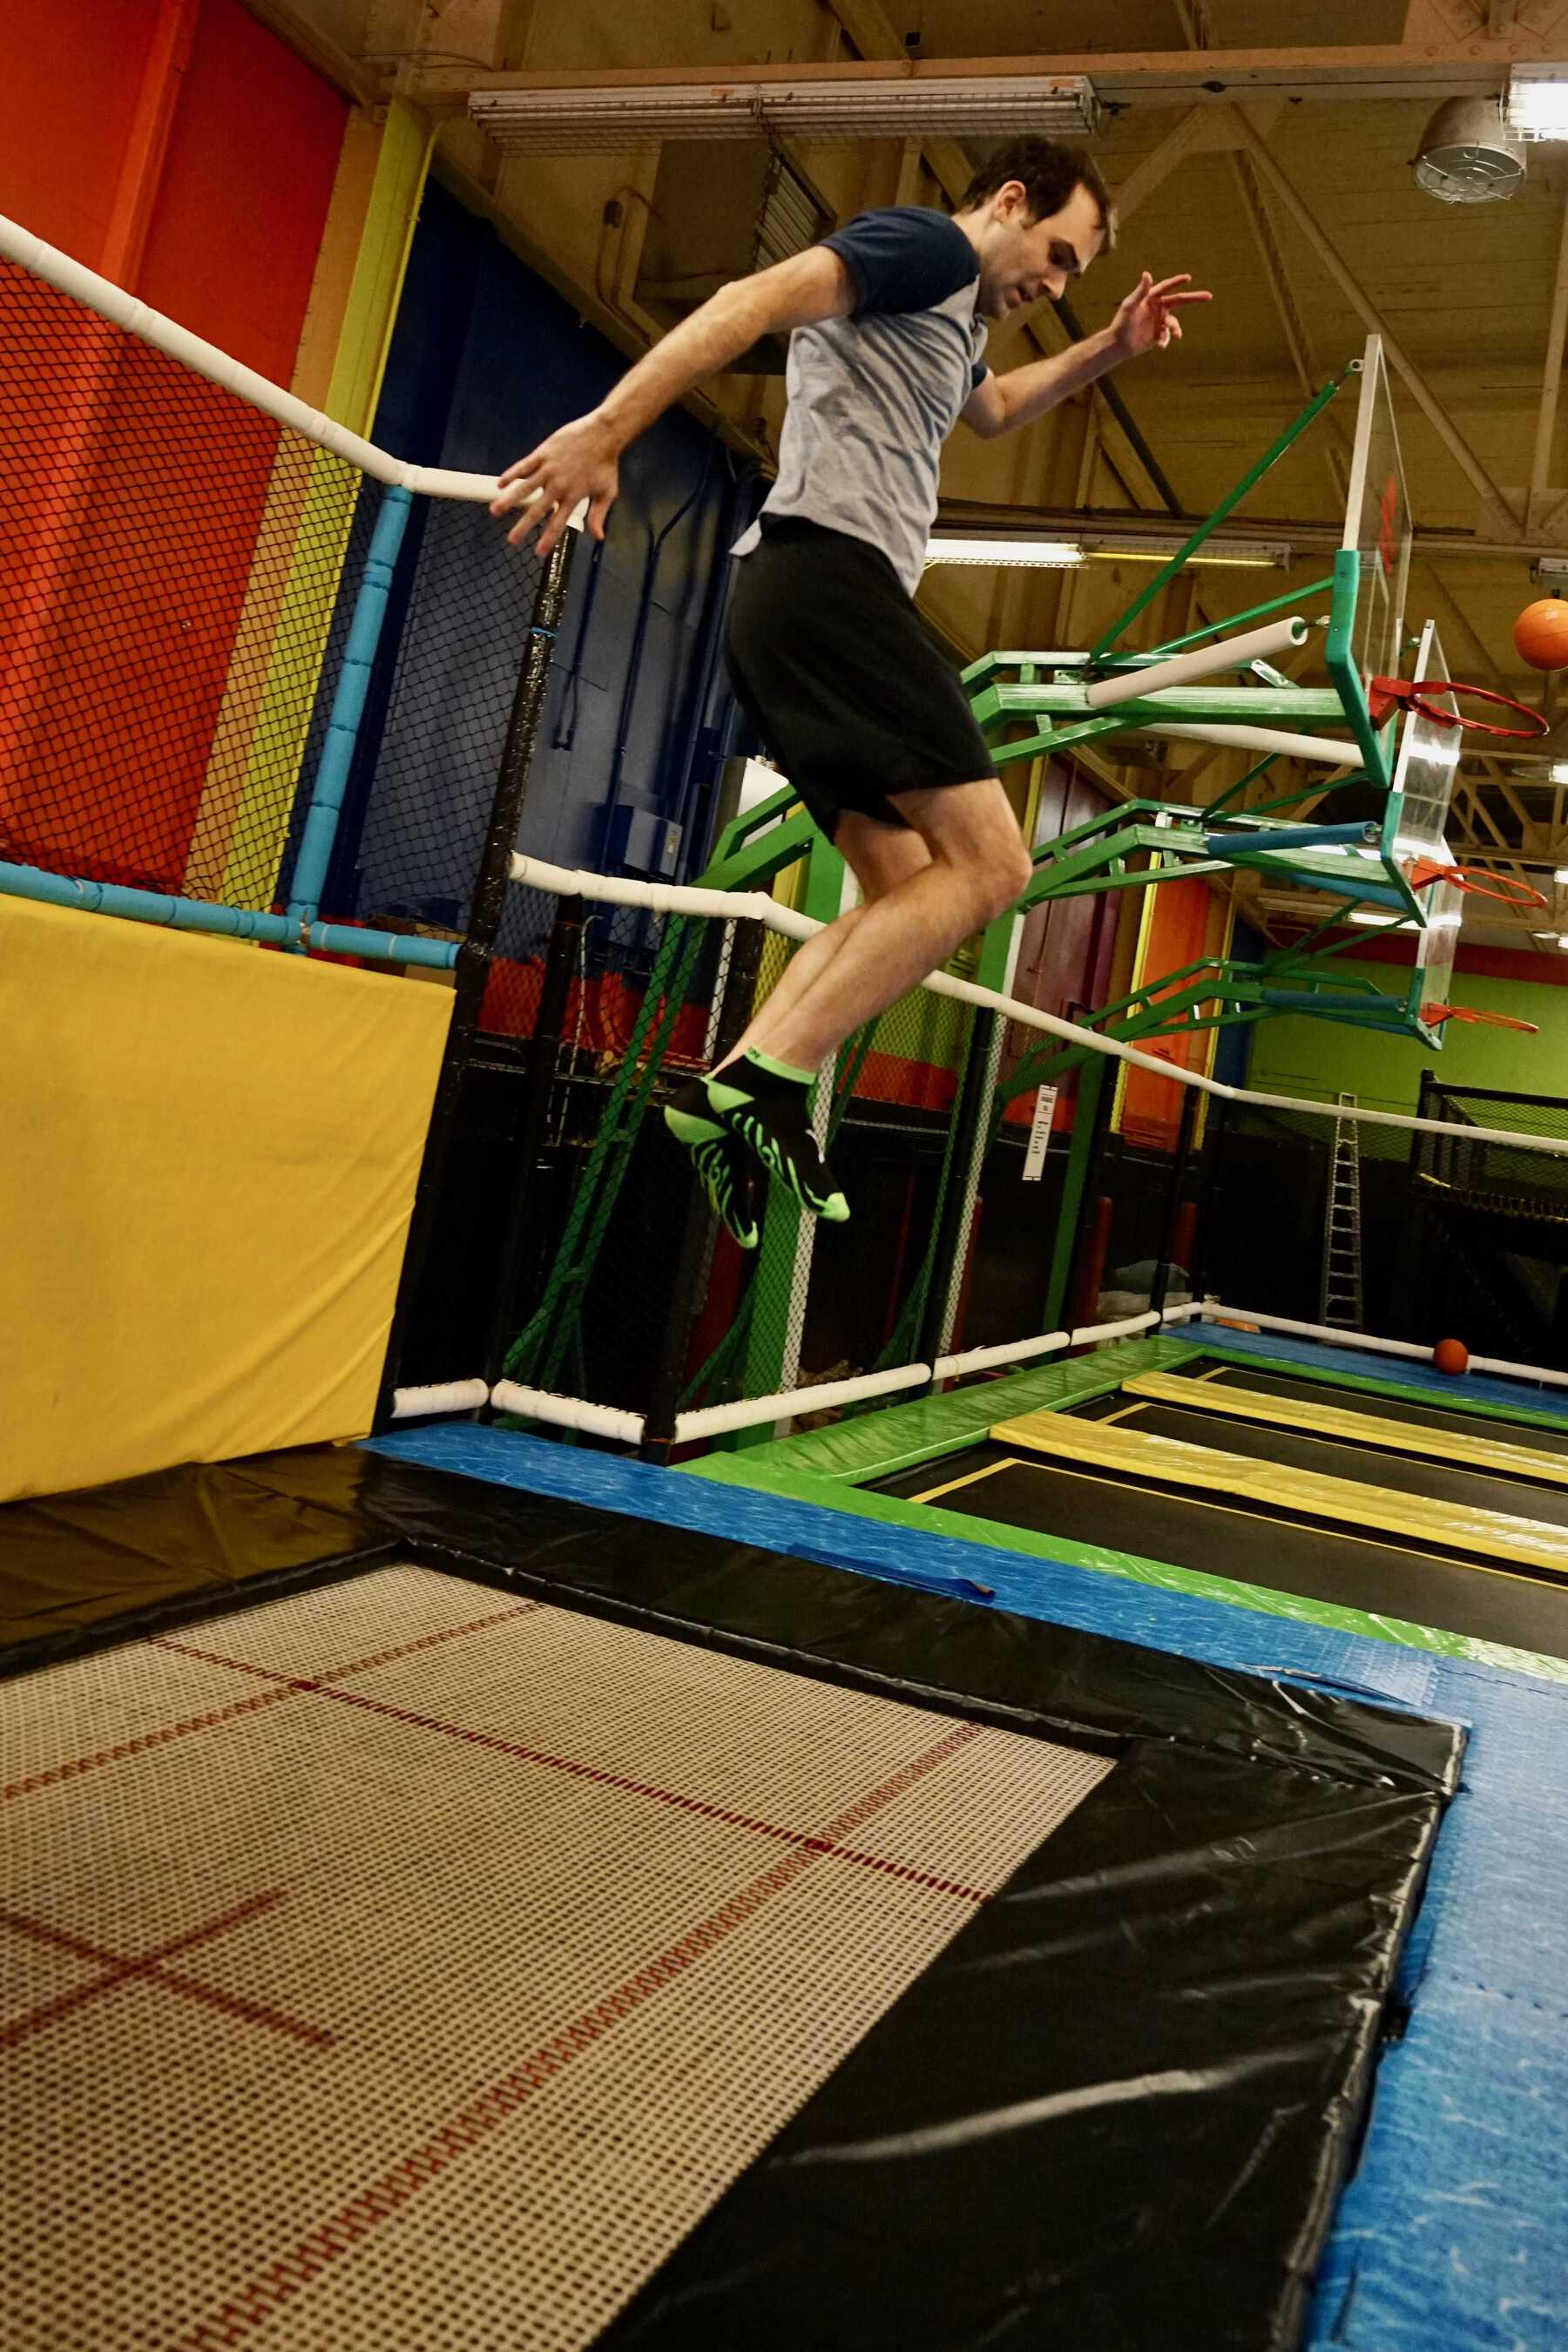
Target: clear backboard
{"x": 1423, "y": 777}
{"x": 1377, "y": 522}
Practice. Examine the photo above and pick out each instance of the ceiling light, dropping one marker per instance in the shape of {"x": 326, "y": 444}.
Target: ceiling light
{"x": 1234, "y": 554}
{"x": 1550, "y": 574}
{"x": 1376, "y": 922}
{"x": 1560, "y": 876}
{"x": 1558, "y": 772}
{"x": 893, "y": 105}
{"x": 1056, "y": 552}
{"x": 1537, "y": 105}
{"x": 1469, "y": 155}
{"x": 1547, "y": 938}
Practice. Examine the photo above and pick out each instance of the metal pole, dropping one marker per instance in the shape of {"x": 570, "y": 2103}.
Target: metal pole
{"x": 348, "y": 708}
{"x": 700, "y": 1228}
{"x": 1293, "y": 431}
{"x": 1179, "y": 1166}
{"x": 1213, "y": 1150}
{"x": 950, "y": 1247}
{"x": 561, "y": 963}
{"x": 475, "y": 956}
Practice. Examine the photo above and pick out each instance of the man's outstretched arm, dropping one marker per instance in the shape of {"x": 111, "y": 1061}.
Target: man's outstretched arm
{"x": 580, "y": 460}
{"x": 1147, "y": 320}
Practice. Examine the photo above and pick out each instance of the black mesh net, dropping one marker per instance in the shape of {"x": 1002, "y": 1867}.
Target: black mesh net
{"x": 425, "y": 771}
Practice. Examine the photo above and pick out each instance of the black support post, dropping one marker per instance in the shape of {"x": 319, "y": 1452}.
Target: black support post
{"x": 696, "y": 1251}
{"x": 475, "y": 954}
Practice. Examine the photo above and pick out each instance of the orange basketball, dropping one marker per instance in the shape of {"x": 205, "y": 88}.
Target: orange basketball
{"x": 1451, "y": 1356}
{"x": 1541, "y": 634}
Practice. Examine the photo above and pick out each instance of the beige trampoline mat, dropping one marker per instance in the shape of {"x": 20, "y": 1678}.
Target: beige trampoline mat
{"x": 402, "y": 1965}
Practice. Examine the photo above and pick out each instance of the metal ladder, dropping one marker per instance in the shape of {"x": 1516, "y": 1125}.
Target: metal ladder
{"x": 1339, "y": 1302}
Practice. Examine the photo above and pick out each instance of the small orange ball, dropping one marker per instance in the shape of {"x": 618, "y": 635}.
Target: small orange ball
{"x": 1541, "y": 634}
{"x": 1451, "y": 1356}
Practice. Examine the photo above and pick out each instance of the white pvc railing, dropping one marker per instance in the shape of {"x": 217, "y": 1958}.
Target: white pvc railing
{"x": 751, "y": 1412}
{"x": 123, "y": 310}
{"x": 676, "y": 899}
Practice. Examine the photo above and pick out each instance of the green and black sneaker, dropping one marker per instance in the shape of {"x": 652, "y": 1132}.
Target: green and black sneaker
{"x": 725, "y": 1170}
{"x": 767, "y": 1106}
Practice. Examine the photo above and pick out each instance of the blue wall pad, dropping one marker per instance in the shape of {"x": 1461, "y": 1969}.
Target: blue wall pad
{"x": 1453, "y": 2235}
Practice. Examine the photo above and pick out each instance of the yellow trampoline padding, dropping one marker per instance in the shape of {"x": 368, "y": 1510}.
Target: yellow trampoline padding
{"x": 1492, "y": 1534}
{"x": 207, "y": 1163}
{"x": 1325, "y": 1420}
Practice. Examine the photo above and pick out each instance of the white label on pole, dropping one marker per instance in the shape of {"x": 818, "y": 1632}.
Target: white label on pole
{"x": 1039, "y": 1135}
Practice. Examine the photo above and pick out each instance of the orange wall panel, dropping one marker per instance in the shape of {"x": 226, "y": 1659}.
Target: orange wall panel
{"x": 243, "y": 194}
{"x": 67, "y": 96}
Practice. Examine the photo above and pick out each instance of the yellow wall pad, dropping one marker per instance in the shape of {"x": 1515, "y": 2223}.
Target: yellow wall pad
{"x": 1464, "y": 1452}
{"x": 1493, "y": 1535}
{"x": 206, "y": 1174}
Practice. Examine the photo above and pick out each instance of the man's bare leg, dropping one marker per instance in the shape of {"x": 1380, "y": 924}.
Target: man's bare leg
{"x": 880, "y": 857}
{"x": 977, "y": 867}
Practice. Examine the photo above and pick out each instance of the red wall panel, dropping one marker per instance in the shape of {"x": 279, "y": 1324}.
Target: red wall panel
{"x": 66, "y": 96}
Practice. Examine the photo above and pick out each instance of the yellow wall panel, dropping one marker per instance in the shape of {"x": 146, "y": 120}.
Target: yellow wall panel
{"x": 207, "y": 1165}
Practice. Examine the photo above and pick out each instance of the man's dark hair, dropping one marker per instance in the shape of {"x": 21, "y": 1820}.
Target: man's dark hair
{"x": 1050, "y": 172}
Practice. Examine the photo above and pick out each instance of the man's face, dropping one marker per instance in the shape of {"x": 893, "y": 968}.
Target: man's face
{"x": 1022, "y": 258}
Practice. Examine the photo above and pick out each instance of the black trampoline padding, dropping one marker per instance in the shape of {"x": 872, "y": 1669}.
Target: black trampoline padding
{"x": 1336, "y": 1457}
{"x": 1118, "y": 2108}
{"x": 1248, "y": 1543}
{"x": 1222, "y": 1372}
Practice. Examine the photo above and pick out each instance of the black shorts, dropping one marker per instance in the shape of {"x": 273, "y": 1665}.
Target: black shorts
{"x": 834, "y": 667}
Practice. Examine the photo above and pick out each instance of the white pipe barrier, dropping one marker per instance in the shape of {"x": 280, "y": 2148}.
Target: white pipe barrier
{"x": 443, "y": 1396}
{"x": 1095, "y": 1334}
{"x": 567, "y": 1412}
{"x": 714, "y": 1420}
{"x": 1020, "y": 1351}
{"x": 675, "y": 898}
{"x": 123, "y": 310}
{"x": 1327, "y": 749}
{"x": 1180, "y": 670}
{"x": 1213, "y": 1313}
{"x": 1501, "y": 1365}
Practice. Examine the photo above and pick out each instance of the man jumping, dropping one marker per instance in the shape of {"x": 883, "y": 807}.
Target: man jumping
{"x": 828, "y": 657}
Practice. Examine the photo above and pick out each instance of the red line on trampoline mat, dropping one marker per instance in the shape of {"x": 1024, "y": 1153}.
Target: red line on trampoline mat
{"x": 600, "y": 1775}
{"x": 125, "y": 1969}
{"x": 257, "y": 2303}
{"x": 52, "y": 1775}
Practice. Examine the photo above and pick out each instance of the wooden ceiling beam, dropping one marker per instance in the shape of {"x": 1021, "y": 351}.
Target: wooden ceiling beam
{"x": 1346, "y": 73}
{"x": 1551, "y": 380}
{"x": 1280, "y": 186}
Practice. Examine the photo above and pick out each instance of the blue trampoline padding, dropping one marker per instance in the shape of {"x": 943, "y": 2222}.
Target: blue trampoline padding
{"x": 1405, "y": 1371}
{"x": 1453, "y": 2235}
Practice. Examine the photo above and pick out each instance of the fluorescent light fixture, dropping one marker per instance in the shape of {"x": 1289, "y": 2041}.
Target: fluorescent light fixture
{"x": 1058, "y": 553}
{"x": 1560, "y": 875}
{"x": 1219, "y": 554}
{"x": 1547, "y": 938}
{"x": 897, "y": 104}
{"x": 1550, "y": 574}
{"x": 1376, "y": 922}
{"x": 1537, "y": 104}
{"x": 1558, "y": 772}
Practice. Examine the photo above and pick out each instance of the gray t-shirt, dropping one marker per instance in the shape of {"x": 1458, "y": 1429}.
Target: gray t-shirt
{"x": 873, "y": 397}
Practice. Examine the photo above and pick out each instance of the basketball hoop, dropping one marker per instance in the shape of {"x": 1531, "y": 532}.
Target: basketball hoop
{"x": 1503, "y": 889}
{"x": 1434, "y": 1016}
{"x": 1388, "y": 694}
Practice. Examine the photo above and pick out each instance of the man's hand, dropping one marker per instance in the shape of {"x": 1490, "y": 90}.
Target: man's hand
{"x": 578, "y": 462}
{"x": 1147, "y": 320}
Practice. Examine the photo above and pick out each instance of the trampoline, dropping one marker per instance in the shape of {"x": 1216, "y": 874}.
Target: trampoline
{"x": 1379, "y": 1502}
{"x": 441, "y": 1916}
